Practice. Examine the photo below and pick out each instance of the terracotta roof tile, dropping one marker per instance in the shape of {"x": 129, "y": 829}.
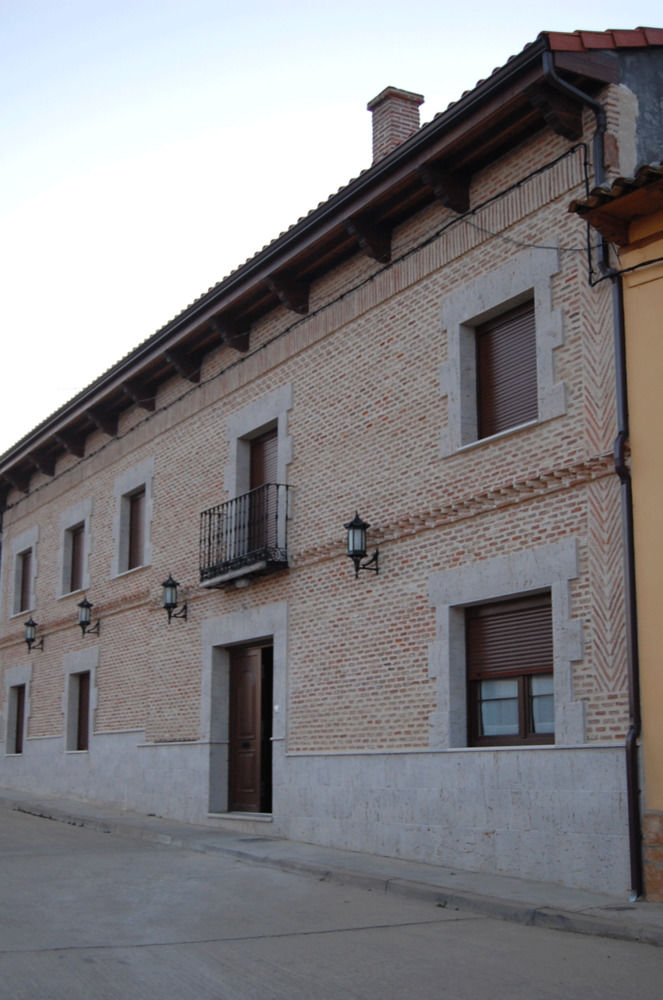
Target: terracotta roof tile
{"x": 600, "y": 197}
{"x": 583, "y": 41}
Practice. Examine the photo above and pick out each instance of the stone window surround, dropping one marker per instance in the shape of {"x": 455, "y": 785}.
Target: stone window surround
{"x": 26, "y": 540}
{"x": 77, "y": 663}
{"x": 126, "y": 483}
{"x": 79, "y": 513}
{"x": 14, "y": 677}
{"x": 527, "y": 275}
{"x": 547, "y": 567}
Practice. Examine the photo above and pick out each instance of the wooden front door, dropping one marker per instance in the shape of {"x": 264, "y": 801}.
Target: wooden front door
{"x": 250, "y": 778}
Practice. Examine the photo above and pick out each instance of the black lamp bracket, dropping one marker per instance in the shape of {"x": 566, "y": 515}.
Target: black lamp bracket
{"x": 182, "y": 613}
{"x": 371, "y": 564}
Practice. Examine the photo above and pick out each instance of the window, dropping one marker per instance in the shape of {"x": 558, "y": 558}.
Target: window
{"x": 461, "y": 590}
{"x": 135, "y": 513}
{"x": 78, "y": 729}
{"x": 502, "y": 331}
{"x": 24, "y": 571}
{"x": 75, "y": 550}
{"x": 506, "y": 371}
{"x": 24, "y": 581}
{"x": 263, "y": 494}
{"x": 16, "y": 719}
{"x": 133, "y": 516}
{"x": 248, "y": 533}
{"x": 80, "y": 696}
{"x": 509, "y": 647}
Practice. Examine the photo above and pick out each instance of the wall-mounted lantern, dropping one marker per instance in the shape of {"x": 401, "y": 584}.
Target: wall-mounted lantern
{"x": 84, "y": 618}
{"x": 356, "y": 529}
{"x": 31, "y": 635}
{"x": 170, "y": 601}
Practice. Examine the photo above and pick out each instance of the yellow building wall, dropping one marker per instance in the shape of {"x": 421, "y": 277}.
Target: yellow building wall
{"x": 643, "y": 306}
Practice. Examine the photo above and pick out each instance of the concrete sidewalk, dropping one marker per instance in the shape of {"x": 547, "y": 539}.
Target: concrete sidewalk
{"x": 528, "y": 902}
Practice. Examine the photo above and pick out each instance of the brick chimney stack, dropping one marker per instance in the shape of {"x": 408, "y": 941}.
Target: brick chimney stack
{"x": 395, "y": 118}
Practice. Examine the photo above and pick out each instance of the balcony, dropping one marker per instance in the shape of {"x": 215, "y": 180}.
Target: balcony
{"x": 245, "y": 536}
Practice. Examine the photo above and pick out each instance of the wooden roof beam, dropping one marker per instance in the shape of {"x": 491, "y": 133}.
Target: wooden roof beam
{"x": 229, "y": 334}
{"x": 561, "y": 113}
{"x": 139, "y": 394}
{"x": 291, "y": 293}
{"x": 452, "y": 189}
{"x": 186, "y": 364}
{"x": 43, "y": 463}
{"x": 18, "y": 479}
{"x": 72, "y": 443}
{"x": 104, "y": 422}
{"x": 611, "y": 227}
{"x": 373, "y": 238}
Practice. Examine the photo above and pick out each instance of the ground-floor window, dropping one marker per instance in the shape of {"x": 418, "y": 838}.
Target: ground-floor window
{"x": 78, "y": 722}
{"x": 16, "y": 719}
{"x": 509, "y": 647}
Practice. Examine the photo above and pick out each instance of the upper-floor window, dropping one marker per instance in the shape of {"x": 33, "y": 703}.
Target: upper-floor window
{"x": 248, "y": 533}
{"x": 75, "y": 546}
{"x": 502, "y": 330}
{"x": 76, "y": 553}
{"x": 23, "y": 593}
{"x": 23, "y": 571}
{"x": 506, "y": 371}
{"x": 135, "y": 528}
{"x": 133, "y": 517}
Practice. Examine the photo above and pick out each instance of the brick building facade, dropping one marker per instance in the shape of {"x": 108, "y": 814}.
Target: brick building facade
{"x": 425, "y": 349}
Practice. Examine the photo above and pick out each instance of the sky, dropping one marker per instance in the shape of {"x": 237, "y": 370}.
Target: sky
{"x": 148, "y": 148}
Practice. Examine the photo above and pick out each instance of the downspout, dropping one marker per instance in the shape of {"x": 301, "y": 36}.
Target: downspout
{"x": 632, "y": 653}
{"x": 623, "y": 471}
{"x": 564, "y": 87}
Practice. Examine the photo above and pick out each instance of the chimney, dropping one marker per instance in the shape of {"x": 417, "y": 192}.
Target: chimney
{"x": 395, "y": 118}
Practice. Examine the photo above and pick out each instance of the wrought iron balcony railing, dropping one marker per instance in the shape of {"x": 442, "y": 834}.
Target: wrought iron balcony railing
{"x": 245, "y": 535}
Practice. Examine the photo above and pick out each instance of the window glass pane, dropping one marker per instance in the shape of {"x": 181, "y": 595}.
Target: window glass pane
{"x": 543, "y": 703}
{"x": 499, "y": 707}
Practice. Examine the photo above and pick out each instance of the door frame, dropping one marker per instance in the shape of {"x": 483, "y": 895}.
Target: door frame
{"x": 254, "y": 626}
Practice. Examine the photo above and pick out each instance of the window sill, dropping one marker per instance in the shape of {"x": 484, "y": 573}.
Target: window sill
{"x": 20, "y": 614}
{"x": 127, "y": 572}
{"x": 497, "y": 437}
{"x": 71, "y": 593}
{"x": 243, "y": 816}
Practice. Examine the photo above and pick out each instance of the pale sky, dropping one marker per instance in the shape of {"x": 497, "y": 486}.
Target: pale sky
{"x": 149, "y": 147}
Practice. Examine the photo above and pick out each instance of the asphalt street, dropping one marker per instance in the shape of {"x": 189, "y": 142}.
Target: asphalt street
{"x": 90, "y": 915}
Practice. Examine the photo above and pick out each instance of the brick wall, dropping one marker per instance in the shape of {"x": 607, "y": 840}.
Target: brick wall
{"x": 366, "y": 422}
